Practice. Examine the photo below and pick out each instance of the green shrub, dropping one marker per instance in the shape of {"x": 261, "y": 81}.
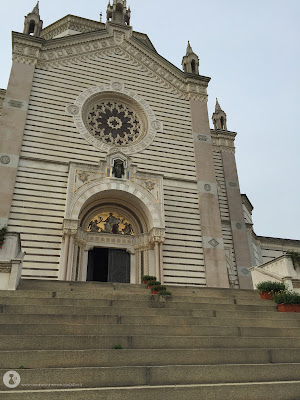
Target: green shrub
{"x": 153, "y": 283}
{"x": 2, "y": 234}
{"x": 287, "y": 297}
{"x": 165, "y": 293}
{"x": 270, "y": 287}
{"x": 117, "y": 347}
{"x": 148, "y": 278}
{"x": 158, "y": 287}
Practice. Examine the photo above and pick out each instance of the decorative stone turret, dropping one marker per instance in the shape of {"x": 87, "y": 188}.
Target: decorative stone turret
{"x": 190, "y": 62}
{"x": 118, "y": 12}
{"x": 33, "y": 24}
{"x": 219, "y": 118}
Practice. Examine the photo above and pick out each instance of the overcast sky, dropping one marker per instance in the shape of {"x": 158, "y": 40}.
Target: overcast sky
{"x": 250, "y": 49}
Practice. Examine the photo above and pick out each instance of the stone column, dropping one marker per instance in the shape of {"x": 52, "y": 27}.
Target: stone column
{"x": 64, "y": 263}
{"x": 211, "y": 226}
{"x": 134, "y": 271}
{"x": 85, "y": 258}
{"x": 156, "y": 255}
{"x": 238, "y": 226}
{"x": 81, "y": 245}
{"x": 14, "y": 114}
{"x": 70, "y": 229}
{"x": 70, "y": 259}
{"x": 161, "y": 263}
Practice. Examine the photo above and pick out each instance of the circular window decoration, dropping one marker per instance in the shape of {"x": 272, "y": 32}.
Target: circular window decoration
{"x": 111, "y": 117}
{"x": 114, "y": 122}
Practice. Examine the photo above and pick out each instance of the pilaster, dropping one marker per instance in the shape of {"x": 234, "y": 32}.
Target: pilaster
{"x": 225, "y": 140}
{"x": 211, "y": 226}
{"x": 14, "y": 114}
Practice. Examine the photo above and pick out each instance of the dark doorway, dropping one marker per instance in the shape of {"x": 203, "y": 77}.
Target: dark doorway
{"x": 108, "y": 265}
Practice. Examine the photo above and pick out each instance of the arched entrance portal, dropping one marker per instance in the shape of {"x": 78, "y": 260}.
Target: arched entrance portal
{"x": 117, "y": 236}
{"x": 112, "y": 221}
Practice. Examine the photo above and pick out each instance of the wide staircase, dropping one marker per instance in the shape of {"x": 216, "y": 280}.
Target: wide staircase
{"x": 118, "y": 342}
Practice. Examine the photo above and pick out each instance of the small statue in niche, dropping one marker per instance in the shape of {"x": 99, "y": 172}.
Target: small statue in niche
{"x": 118, "y": 169}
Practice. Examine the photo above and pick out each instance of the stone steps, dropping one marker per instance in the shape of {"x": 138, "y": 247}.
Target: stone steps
{"x": 93, "y": 377}
{"x": 209, "y": 303}
{"x": 40, "y": 285}
{"x": 131, "y": 330}
{"x": 201, "y": 343}
{"x": 232, "y": 391}
{"x": 80, "y": 342}
{"x": 140, "y": 357}
{"x": 212, "y": 320}
{"x": 254, "y": 312}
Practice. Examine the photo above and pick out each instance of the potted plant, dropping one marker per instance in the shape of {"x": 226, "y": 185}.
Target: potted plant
{"x": 287, "y": 301}
{"x": 153, "y": 283}
{"x": 268, "y": 288}
{"x": 157, "y": 288}
{"x": 2, "y": 235}
{"x": 147, "y": 278}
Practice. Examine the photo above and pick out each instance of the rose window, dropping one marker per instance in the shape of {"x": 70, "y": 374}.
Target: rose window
{"x": 113, "y": 123}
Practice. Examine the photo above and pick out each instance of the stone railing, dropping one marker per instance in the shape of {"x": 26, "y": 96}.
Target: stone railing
{"x": 280, "y": 269}
{"x": 11, "y": 261}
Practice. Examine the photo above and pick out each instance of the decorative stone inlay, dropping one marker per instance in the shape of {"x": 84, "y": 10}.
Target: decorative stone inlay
{"x": 15, "y": 103}
{"x": 233, "y": 184}
{"x": 203, "y": 138}
{"x": 157, "y": 125}
{"x": 5, "y": 160}
{"x": 123, "y": 119}
{"x": 149, "y": 185}
{"x": 116, "y": 85}
{"x": 83, "y": 176}
{"x": 213, "y": 242}
{"x": 245, "y": 271}
{"x": 207, "y": 187}
{"x": 114, "y": 123}
{"x": 239, "y": 226}
{"x": 71, "y": 109}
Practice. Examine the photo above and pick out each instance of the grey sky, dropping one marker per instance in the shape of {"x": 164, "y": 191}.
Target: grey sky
{"x": 250, "y": 49}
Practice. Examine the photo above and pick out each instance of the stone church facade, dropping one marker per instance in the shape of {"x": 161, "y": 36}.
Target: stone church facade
{"x": 110, "y": 169}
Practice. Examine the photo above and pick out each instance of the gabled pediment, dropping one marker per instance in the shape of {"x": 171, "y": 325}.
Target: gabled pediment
{"x": 70, "y": 25}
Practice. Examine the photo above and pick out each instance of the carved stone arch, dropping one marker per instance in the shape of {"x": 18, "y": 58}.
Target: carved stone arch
{"x": 139, "y": 197}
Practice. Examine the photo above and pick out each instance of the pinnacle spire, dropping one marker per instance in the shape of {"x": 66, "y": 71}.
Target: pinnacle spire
{"x": 218, "y": 107}
{"x": 33, "y": 24}
{"x": 118, "y": 12}
{"x": 189, "y": 49}
{"x": 219, "y": 118}
{"x": 36, "y": 9}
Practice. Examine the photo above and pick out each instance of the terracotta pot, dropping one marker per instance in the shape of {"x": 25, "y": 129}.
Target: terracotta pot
{"x": 154, "y": 291}
{"x": 145, "y": 282}
{"x": 288, "y": 307}
{"x": 150, "y": 286}
{"x": 265, "y": 296}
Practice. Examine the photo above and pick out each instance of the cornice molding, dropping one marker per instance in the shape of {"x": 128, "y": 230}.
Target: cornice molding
{"x": 26, "y": 49}
{"x": 223, "y": 141}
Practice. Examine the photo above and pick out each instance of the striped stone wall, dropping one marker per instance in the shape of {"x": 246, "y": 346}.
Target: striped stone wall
{"x": 51, "y": 141}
